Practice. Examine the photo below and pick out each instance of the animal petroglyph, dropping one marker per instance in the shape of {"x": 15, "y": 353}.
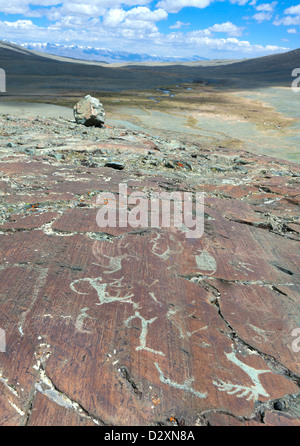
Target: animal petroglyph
{"x": 186, "y": 386}
{"x": 115, "y": 264}
{"x": 112, "y": 263}
{"x": 102, "y": 290}
{"x": 143, "y": 336}
{"x": 240, "y": 391}
{"x": 168, "y": 252}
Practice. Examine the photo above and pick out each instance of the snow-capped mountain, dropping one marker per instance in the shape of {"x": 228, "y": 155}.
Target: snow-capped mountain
{"x": 102, "y": 54}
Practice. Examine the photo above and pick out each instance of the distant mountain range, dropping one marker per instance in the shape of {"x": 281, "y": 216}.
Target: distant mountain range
{"x": 102, "y": 54}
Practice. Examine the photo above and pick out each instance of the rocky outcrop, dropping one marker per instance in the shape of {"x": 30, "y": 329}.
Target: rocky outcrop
{"x": 90, "y": 112}
{"x": 144, "y": 326}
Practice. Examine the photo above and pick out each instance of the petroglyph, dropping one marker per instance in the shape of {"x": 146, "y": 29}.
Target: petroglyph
{"x": 35, "y": 294}
{"x": 153, "y": 297}
{"x": 182, "y": 334}
{"x": 114, "y": 263}
{"x": 80, "y": 320}
{"x": 20, "y": 411}
{"x": 168, "y": 252}
{"x": 189, "y": 334}
{"x": 186, "y": 386}
{"x": 169, "y": 315}
{"x": 241, "y": 391}
{"x": 143, "y": 336}
{"x": 206, "y": 262}
{"x": 8, "y": 386}
{"x": 102, "y": 290}
{"x": 261, "y": 334}
{"x": 240, "y": 266}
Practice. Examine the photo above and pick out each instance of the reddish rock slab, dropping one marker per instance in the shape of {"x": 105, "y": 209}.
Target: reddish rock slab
{"x": 243, "y": 306}
{"x": 141, "y": 336}
{"x": 32, "y": 221}
{"x": 142, "y": 325}
{"x": 85, "y": 220}
{"x": 48, "y": 413}
{"x": 280, "y": 419}
{"x": 223, "y": 419}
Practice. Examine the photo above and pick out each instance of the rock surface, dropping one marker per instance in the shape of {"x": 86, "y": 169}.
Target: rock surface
{"x": 89, "y": 112}
{"x": 144, "y": 326}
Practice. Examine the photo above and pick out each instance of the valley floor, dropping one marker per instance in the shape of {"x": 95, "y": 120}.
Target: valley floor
{"x": 264, "y": 121}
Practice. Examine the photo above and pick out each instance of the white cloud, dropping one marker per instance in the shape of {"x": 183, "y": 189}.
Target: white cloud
{"x": 288, "y": 21}
{"x": 174, "y": 6}
{"x": 292, "y": 19}
{"x": 179, "y": 25}
{"x": 262, "y": 16}
{"x": 239, "y": 2}
{"x": 228, "y": 28}
{"x": 19, "y": 24}
{"x": 140, "y": 17}
{"x": 265, "y": 11}
{"x": 292, "y": 31}
{"x": 293, "y": 10}
{"x": 22, "y": 6}
{"x": 231, "y": 45}
{"x": 114, "y": 17}
{"x": 80, "y": 7}
{"x": 268, "y": 7}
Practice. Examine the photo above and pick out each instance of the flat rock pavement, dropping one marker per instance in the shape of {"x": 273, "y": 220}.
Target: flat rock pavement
{"x": 143, "y": 325}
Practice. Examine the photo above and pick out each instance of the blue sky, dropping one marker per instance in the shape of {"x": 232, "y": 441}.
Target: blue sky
{"x": 208, "y": 28}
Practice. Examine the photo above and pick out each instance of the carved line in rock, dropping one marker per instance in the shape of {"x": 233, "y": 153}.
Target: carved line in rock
{"x": 105, "y": 297}
{"x": 204, "y": 261}
{"x": 186, "y": 386}
{"x": 115, "y": 263}
{"x": 143, "y": 336}
{"x": 240, "y": 391}
{"x": 35, "y": 294}
{"x": 168, "y": 252}
{"x": 101, "y": 289}
{"x": 171, "y": 312}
